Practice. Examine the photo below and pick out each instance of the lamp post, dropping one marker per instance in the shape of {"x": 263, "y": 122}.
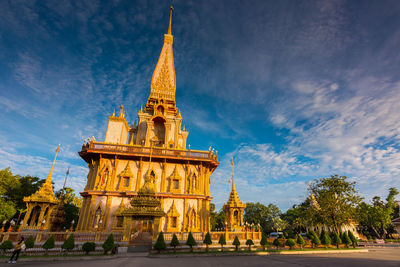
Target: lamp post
{"x": 43, "y": 224}
{"x": 72, "y": 226}
{"x": 12, "y": 223}
{"x": 20, "y": 225}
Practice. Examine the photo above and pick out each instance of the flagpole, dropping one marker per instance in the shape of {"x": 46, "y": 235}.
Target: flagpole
{"x": 65, "y": 181}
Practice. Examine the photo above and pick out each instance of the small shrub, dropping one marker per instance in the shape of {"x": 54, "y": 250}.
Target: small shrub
{"x": 263, "y": 241}
{"x": 49, "y": 244}
{"x": 69, "y": 243}
{"x": 290, "y": 243}
{"x": 300, "y": 241}
{"x": 160, "y": 243}
{"x": 89, "y": 247}
{"x": 277, "y": 243}
{"x": 249, "y": 243}
{"x": 174, "y": 242}
{"x": 207, "y": 240}
{"x": 6, "y": 245}
{"x": 352, "y": 238}
{"x": 108, "y": 245}
{"x": 315, "y": 241}
{"x": 325, "y": 239}
{"x": 236, "y": 243}
{"x": 336, "y": 240}
{"x": 191, "y": 242}
{"x": 30, "y": 242}
{"x": 346, "y": 240}
{"x": 311, "y": 234}
{"x": 222, "y": 242}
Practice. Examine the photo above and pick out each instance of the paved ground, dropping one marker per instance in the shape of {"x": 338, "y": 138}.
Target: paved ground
{"x": 376, "y": 257}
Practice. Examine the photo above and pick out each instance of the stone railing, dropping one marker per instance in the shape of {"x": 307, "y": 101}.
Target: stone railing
{"x": 145, "y": 151}
{"x": 199, "y": 236}
{"x": 42, "y": 236}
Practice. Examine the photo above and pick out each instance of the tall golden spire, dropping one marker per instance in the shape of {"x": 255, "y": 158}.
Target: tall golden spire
{"x": 233, "y": 177}
{"x": 163, "y": 82}
{"x": 171, "y": 9}
{"x": 48, "y": 179}
{"x": 233, "y": 197}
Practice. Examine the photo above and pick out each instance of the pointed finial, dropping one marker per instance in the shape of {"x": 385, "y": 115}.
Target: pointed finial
{"x": 113, "y": 113}
{"x": 121, "y": 111}
{"x": 233, "y": 178}
{"x": 171, "y": 9}
{"x": 48, "y": 179}
{"x": 141, "y": 109}
{"x": 183, "y": 127}
{"x": 179, "y": 114}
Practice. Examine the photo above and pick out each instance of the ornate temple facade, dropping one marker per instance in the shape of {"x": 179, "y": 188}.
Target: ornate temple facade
{"x": 143, "y": 176}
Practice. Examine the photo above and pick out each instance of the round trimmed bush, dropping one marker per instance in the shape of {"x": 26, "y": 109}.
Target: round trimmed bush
{"x": 290, "y": 243}
{"x": 89, "y": 247}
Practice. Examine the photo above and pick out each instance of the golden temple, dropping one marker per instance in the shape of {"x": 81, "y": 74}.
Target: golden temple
{"x": 143, "y": 177}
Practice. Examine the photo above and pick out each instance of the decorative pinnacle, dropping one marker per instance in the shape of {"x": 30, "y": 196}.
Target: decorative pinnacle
{"x": 171, "y": 9}
{"x": 233, "y": 178}
{"x": 121, "y": 111}
{"x": 48, "y": 179}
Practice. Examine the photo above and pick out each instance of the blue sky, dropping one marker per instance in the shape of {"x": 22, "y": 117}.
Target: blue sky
{"x": 293, "y": 90}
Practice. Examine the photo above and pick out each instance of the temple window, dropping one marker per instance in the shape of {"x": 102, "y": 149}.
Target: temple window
{"x": 126, "y": 181}
{"x": 105, "y": 177}
{"x": 174, "y": 222}
{"x": 176, "y": 184}
{"x": 96, "y": 222}
{"x": 120, "y": 221}
{"x": 172, "y": 216}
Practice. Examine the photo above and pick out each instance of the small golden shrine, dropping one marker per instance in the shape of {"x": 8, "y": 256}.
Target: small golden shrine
{"x": 40, "y": 205}
{"x": 234, "y": 209}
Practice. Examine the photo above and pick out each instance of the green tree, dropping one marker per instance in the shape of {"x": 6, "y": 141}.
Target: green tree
{"x": 249, "y": 243}
{"x": 352, "y": 238}
{"x": 290, "y": 242}
{"x": 263, "y": 241}
{"x": 337, "y": 199}
{"x": 376, "y": 219}
{"x": 277, "y": 243}
{"x": 108, "y": 245}
{"x": 236, "y": 243}
{"x": 217, "y": 219}
{"x": 300, "y": 241}
{"x": 8, "y": 184}
{"x": 346, "y": 240}
{"x": 336, "y": 240}
{"x": 207, "y": 240}
{"x": 69, "y": 243}
{"x": 160, "y": 243}
{"x": 72, "y": 205}
{"x": 191, "y": 242}
{"x": 222, "y": 242}
{"x": 89, "y": 247}
{"x": 49, "y": 244}
{"x": 325, "y": 239}
{"x": 174, "y": 242}
{"x": 29, "y": 242}
{"x": 315, "y": 241}
{"x": 7, "y": 210}
{"x": 267, "y": 216}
